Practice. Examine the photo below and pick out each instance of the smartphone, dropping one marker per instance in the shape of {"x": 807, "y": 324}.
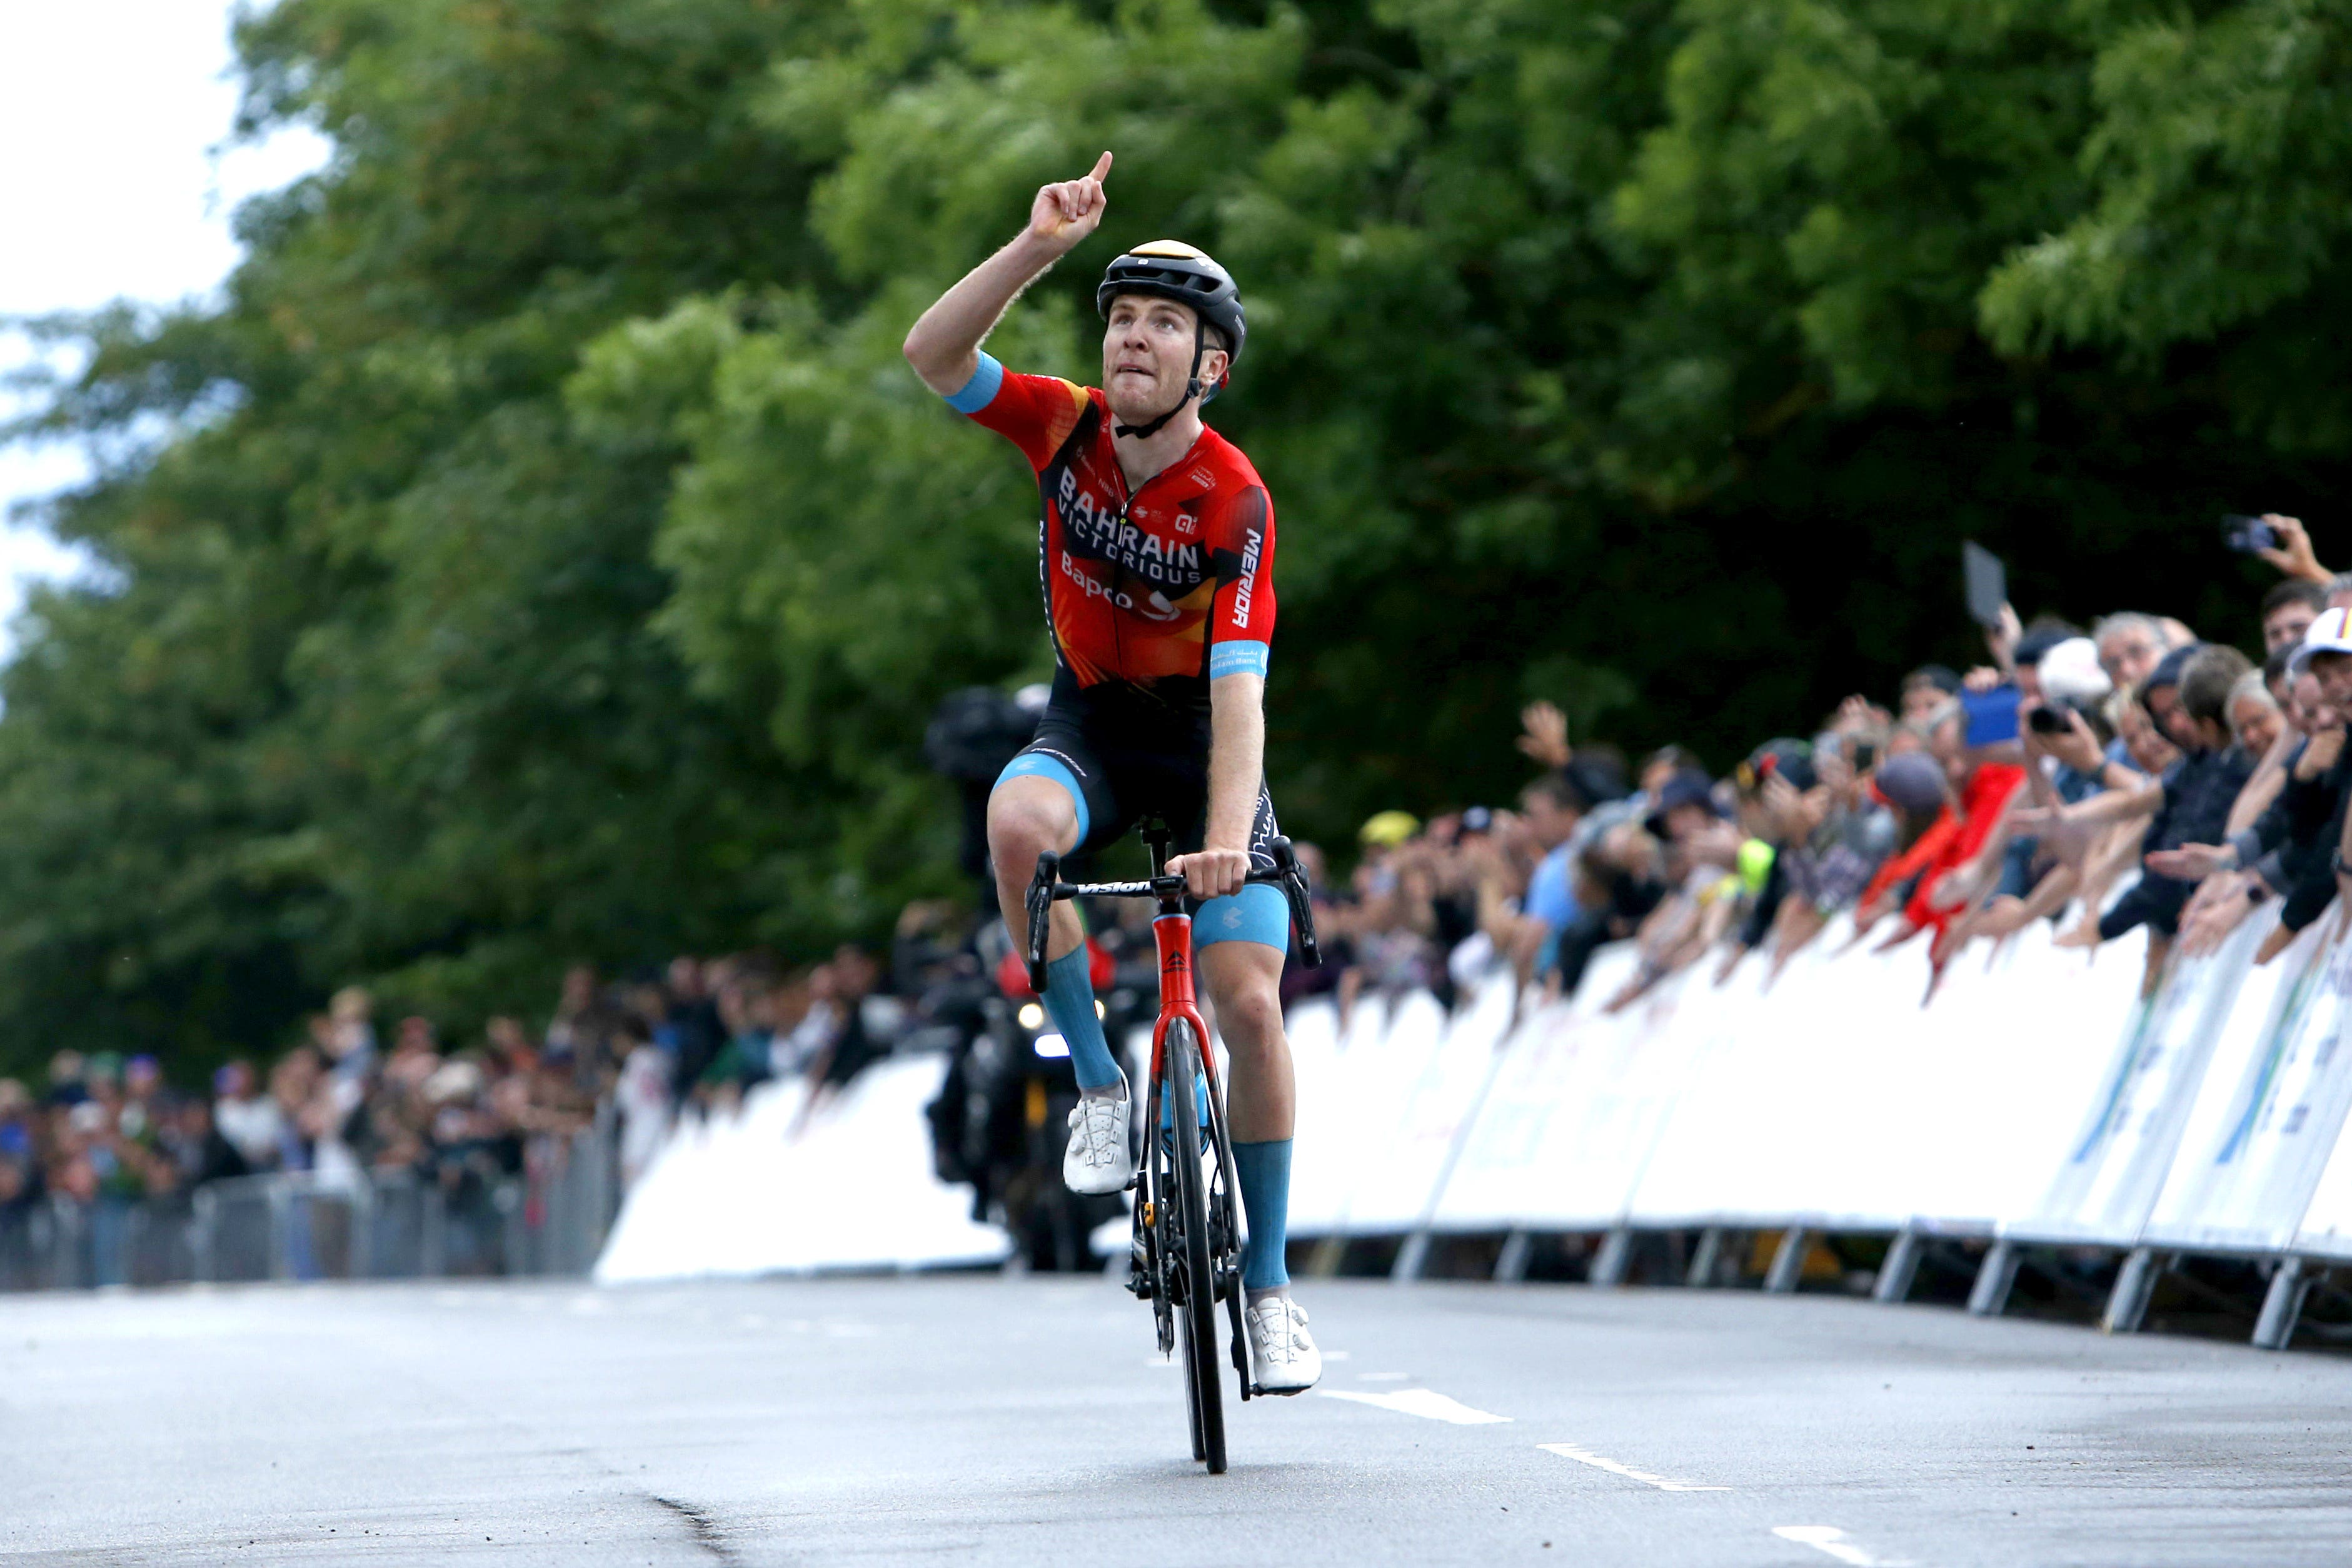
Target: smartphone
{"x": 2048, "y": 721}
{"x": 1986, "y": 581}
{"x": 2247, "y": 534}
{"x": 1991, "y": 715}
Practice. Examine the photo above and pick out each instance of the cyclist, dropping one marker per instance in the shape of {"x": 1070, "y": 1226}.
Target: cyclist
{"x": 1156, "y": 555}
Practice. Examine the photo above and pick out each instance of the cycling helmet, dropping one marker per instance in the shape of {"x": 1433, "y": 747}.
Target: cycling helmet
{"x": 1172, "y": 269}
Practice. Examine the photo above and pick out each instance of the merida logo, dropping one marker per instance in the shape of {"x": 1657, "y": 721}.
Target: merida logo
{"x": 1249, "y": 577}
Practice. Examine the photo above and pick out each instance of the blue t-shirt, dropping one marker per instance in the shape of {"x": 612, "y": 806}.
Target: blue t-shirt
{"x": 1551, "y": 891}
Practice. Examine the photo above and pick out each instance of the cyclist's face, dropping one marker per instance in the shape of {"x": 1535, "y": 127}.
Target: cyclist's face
{"x": 1147, "y": 354}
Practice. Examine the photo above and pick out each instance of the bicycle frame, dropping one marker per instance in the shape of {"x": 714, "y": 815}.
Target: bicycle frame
{"x": 1172, "y": 933}
{"x": 1155, "y": 1276}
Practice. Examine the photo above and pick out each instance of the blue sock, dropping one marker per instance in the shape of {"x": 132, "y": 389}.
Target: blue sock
{"x": 1070, "y": 1003}
{"x": 1263, "y": 1171}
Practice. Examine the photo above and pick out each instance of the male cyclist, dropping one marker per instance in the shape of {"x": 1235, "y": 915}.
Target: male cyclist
{"x": 1155, "y": 552}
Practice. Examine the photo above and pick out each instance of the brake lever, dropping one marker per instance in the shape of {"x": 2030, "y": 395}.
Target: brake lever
{"x": 1040, "y": 916}
{"x": 1295, "y": 893}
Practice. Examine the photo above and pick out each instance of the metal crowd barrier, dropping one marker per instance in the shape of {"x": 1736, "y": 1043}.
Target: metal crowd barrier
{"x": 389, "y": 1224}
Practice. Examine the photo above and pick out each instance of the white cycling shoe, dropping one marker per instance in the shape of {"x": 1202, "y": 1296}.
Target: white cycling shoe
{"x": 1283, "y": 1357}
{"x": 1098, "y": 1159}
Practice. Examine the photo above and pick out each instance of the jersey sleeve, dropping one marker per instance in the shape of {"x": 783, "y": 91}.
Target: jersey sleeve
{"x": 1035, "y": 413}
{"x": 1241, "y": 620}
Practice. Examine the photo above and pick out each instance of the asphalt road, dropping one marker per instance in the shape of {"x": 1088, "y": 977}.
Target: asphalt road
{"x": 1024, "y": 1421}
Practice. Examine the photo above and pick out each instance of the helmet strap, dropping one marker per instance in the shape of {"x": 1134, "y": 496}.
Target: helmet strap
{"x": 1192, "y": 389}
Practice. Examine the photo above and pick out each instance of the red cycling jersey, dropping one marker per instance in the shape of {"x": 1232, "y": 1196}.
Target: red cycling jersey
{"x": 1161, "y": 591}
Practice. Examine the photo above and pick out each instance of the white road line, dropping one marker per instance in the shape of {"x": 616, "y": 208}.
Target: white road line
{"x": 1828, "y": 1538}
{"x": 1419, "y": 1401}
{"x": 1615, "y": 1467}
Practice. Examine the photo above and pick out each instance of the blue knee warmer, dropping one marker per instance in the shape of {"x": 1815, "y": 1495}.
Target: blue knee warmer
{"x": 1070, "y": 1003}
{"x": 1263, "y": 1171}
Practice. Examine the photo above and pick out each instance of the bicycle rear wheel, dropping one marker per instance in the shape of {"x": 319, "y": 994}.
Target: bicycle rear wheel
{"x": 1197, "y": 1316}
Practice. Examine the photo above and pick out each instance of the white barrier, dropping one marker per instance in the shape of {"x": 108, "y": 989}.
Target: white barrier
{"x": 2109, "y": 1182}
{"x": 2033, "y": 1097}
{"x": 765, "y": 1191}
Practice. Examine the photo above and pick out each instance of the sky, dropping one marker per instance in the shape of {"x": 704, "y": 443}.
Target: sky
{"x": 115, "y": 184}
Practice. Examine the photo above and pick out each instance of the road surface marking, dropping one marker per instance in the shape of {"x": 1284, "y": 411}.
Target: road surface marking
{"x": 1419, "y": 1401}
{"x": 1615, "y": 1467}
{"x": 1828, "y": 1538}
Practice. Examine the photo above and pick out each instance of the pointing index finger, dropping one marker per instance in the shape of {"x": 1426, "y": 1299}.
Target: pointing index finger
{"x": 1102, "y": 167}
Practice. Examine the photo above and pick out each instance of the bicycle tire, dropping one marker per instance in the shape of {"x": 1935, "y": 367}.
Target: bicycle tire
{"x": 1203, "y": 1382}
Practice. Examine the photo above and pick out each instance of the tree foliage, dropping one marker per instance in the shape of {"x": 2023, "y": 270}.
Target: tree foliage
{"x": 542, "y": 552}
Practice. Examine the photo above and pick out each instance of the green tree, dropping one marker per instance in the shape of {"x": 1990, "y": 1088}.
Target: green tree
{"x": 542, "y": 553}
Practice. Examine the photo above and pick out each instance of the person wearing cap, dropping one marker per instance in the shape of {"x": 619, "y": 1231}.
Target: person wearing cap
{"x": 1924, "y": 692}
{"x": 1706, "y": 870}
{"x": 2325, "y": 653}
{"x": 1774, "y": 782}
{"x": 2293, "y": 847}
{"x": 1156, "y": 539}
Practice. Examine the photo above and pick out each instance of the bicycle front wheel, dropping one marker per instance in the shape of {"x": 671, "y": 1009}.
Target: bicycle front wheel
{"x": 1198, "y": 1314}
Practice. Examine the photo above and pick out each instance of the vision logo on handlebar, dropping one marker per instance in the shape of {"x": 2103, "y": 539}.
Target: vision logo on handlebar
{"x": 1045, "y": 887}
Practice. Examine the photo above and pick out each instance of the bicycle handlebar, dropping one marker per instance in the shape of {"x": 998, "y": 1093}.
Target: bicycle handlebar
{"x": 1046, "y": 887}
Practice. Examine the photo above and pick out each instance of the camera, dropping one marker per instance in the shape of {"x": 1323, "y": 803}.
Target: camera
{"x": 2248, "y": 534}
{"x": 2048, "y": 721}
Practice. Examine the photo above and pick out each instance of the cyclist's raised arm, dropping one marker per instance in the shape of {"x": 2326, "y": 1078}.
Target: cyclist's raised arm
{"x": 944, "y": 345}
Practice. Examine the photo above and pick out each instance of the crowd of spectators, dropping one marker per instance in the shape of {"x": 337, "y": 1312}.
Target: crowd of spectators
{"x": 346, "y": 1104}
{"x": 2125, "y": 774}
{"x": 2107, "y": 777}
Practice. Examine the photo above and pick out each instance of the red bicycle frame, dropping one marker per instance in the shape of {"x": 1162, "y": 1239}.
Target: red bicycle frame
{"x": 1172, "y": 935}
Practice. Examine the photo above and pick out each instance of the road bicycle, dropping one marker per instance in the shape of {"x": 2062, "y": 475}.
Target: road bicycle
{"x": 1185, "y": 1251}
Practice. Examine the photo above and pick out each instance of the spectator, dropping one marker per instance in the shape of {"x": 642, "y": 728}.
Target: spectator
{"x": 2130, "y": 645}
{"x": 2289, "y": 845}
{"x": 1924, "y": 692}
{"x": 253, "y": 1124}
{"x": 1551, "y": 809}
{"x": 2288, "y": 610}
{"x": 2192, "y": 803}
{"x": 692, "y": 1033}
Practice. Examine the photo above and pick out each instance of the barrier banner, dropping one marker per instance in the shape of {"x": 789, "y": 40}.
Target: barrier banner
{"x": 1488, "y": 1189}
{"x": 1329, "y": 1140}
{"x": 1401, "y": 1183}
{"x": 1590, "y": 1156}
{"x": 1353, "y": 1102}
{"x": 1533, "y": 1155}
{"x": 1382, "y": 1082}
{"x": 1730, "y": 1138}
{"x": 2109, "y": 1182}
{"x": 1317, "y": 1185}
{"x": 2247, "y": 1183}
{"x": 768, "y": 1192}
{"x": 2247, "y": 1164}
{"x": 2327, "y": 1219}
{"x": 1984, "y": 1089}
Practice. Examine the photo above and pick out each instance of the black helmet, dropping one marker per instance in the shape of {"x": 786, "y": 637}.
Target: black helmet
{"x": 1172, "y": 269}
